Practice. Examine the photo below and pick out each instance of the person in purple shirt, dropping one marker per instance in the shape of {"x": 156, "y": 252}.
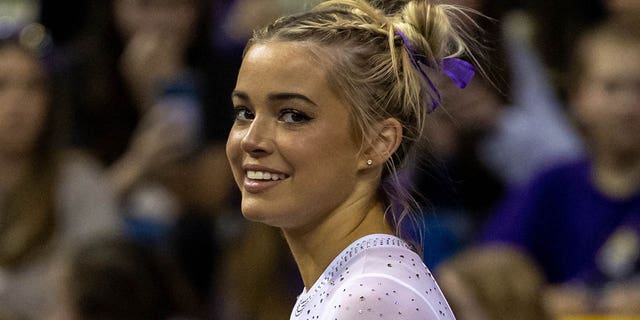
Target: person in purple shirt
{"x": 563, "y": 218}
{"x": 580, "y": 221}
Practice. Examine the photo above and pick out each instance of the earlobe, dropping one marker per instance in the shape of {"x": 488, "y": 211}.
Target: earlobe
{"x": 385, "y": 143}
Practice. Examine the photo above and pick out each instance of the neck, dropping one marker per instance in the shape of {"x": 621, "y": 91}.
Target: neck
{"x": 314, "y": 249}
{"x": 617, "y": 176}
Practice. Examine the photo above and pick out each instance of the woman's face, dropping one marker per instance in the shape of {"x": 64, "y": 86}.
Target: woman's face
{"x": 23, "y": 101}
{"x": 607, "y": 101}
{"x": 291, "y": 148}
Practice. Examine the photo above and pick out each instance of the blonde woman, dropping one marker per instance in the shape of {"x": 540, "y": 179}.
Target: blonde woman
{"x": 329, "y": 105}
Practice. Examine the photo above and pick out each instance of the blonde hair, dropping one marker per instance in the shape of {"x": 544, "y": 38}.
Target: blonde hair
{"x": 372, "y": 68}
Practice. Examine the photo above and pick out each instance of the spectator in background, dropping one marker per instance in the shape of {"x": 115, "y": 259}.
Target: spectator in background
{"x": 533, "y": 132}
{"x": 144, "y": 92}
{"x": 135, "y": 100}
{"x": 512, "y": 290}
{"x": 496, "y": 133}
{"x": 580, "y": 221}
{"x": 117, "y": 278}
{"x": 557, "y": 25}
{"x": 50, "y": 199}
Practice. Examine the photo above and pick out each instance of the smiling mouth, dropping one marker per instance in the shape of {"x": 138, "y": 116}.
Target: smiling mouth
{"x": 264, "y": 175}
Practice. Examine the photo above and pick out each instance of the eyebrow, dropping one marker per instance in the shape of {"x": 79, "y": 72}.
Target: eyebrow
{"x": 275, "y": 96}
{"x": 290, "y": 96}
{"x": 240, "y": 94}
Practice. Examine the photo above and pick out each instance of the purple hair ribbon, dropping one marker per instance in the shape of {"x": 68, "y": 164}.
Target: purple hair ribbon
{"x": 458, "y": 70}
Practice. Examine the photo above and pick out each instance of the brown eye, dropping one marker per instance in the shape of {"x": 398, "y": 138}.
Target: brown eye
{"x": 294, "y": 116}
{"x": 243, "y": 114}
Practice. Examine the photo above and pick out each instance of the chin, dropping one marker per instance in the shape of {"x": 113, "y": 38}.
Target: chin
{"x": 252, "y": 215}
{"x": 261, "y": 216}
{"x": 276, "y": 220}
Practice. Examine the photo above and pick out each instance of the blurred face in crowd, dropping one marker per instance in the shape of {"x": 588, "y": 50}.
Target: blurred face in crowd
{"x": 607, "y": 100}
{"x": 176, "y": 17}
{"x": 23, "y": 101}
{"x": 292, "y": 149}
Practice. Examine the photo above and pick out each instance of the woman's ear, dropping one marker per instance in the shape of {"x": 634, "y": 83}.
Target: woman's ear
{"x": 384, "y": 144}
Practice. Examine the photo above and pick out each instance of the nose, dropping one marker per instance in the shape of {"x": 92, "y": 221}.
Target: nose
{"x": 258, "y": 139}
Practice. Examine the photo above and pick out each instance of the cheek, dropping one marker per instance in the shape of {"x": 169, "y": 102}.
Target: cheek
{"x": 322, "y": 170}
{"x": 231, "y": 146}
{"x": 234, "y": 153}
{"x": 590, "y": 105}
{"x": 327, "y": 157}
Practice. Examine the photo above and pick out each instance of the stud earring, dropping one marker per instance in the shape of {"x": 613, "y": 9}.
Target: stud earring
{"x": 369, "y": 162}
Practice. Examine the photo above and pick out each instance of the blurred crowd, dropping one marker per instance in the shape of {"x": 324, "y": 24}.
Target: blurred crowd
{"x": 116, "y": 200}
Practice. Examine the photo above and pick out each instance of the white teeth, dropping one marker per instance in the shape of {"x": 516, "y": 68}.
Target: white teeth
{"x": 262, "y": 175}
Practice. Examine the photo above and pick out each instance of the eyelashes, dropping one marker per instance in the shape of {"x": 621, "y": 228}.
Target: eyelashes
{"x": 241, "y": 113}
{"x": 294, "y": 116}
{"x": 286, "y": 115}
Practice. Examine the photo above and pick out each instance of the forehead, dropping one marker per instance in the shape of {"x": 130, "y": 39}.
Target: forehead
{"x": 612, "y": 57}
{"x": 289, "y": 65}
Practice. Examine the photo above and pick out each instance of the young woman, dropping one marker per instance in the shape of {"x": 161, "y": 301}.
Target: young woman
{"x": 50, "y": 200}
{"x": 329, "y": 105}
